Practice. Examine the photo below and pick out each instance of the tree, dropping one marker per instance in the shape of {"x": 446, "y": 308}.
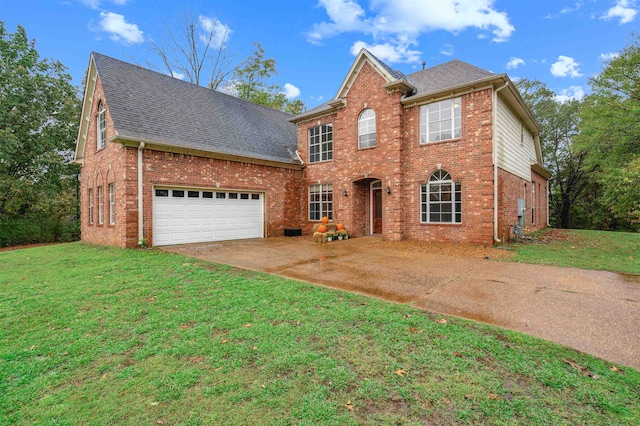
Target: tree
{"x": 560, "y": 126}
{"x": 610, "y": 136}
{"x": 251, "y": 82}
{"x": 198, "y": 51}
{"x": 39, "y": 114}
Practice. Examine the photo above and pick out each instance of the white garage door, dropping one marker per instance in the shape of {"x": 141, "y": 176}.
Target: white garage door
{"x": 183, "y": 216}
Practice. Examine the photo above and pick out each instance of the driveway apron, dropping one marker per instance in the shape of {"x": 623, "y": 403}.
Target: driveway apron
{"x": 593, "y": 311}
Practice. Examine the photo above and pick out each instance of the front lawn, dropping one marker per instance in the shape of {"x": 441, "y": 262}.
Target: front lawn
{"x": 102, "y": 335}
{"x": 609, "y": 251}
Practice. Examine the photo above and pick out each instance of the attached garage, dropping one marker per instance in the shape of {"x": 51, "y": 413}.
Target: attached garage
{"x": 183, "y": 215}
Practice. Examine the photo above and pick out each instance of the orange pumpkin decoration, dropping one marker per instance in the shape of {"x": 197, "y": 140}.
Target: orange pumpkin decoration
{"x": 325, "y": 220}
{"x": 322, "y": 229}
{"x": 340, "y": 226}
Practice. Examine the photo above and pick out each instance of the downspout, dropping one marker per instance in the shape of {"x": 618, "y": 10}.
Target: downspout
{"x": 495, "y": 161}
{"x": 140, "y": 197}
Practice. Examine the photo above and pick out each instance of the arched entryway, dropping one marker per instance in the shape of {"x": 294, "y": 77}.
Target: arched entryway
{"x": 367, "y": 208}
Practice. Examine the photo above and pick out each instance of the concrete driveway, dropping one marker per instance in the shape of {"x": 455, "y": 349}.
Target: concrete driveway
{"x": 592, "y": 311}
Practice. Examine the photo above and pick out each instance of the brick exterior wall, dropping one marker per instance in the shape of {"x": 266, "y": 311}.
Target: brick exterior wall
{"x": 398, "y": 160}
{"x": 118, "y": 164}
{"x": 512, "y": 187}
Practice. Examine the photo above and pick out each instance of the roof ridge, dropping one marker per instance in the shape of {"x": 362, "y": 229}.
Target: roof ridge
{"x": 180, "y": 81}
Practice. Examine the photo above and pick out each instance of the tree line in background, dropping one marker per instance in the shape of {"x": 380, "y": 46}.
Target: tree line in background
{"x": 592, "y": 146}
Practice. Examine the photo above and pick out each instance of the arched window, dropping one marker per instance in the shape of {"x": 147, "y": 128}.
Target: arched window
{"x": 440, "y": 199}
{"x": 102, "y": 126}
{"x": 367, "y": 129}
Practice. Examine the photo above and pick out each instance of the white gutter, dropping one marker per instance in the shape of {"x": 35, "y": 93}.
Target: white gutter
{"x": 495, "y": 161}
{"x": 140, "y": 197}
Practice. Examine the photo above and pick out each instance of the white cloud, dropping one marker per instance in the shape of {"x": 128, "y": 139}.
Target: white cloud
{"x": 447, "y": 50}
{"x": 514, "y": 63}
{"x": 398, "y": 23}
{"x": 95, "y": 4}
{"x": 565, "y": 66}
{"x": 573, "y": 92}
{"x": 120, "y": 30}
{"x": 291, "y": 91}
{"x": 215, "y": 29}
{"x": 388, "y": 52}
{"x": 575, "y": 7}
{"x": 606, "y": 57}
{"x": 178, "y": 75}
{"x": 229, "y": 87}
{"x": 624, "y": 10}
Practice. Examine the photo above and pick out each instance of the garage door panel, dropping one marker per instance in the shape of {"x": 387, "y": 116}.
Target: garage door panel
{"x": 178, "y": 220}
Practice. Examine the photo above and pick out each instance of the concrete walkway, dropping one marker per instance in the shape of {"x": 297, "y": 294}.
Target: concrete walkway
{"x": 592, "y": 311}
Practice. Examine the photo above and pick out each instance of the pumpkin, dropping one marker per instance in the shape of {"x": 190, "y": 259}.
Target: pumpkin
{"x": 339, "y": 226}
{"x": 325, "y": 220}
{"x": 322, "y": 229}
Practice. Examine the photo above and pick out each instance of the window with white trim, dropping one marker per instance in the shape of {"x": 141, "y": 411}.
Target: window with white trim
{"x": 100, "y": 206}
{"x": 440, "y": 199}
{"x": 367, "y": 129}
{"x": 321, "y": 143}
{"x": 320, "y": 201}
{"x": 112, "y": 204}
{"x": 440, "y": 121}
{"x": 102, "y": 126}
{"x": 91, "y": 206}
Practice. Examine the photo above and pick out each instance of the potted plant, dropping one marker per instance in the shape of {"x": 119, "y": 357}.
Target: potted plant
{"x": 342, "y": 234}
{"x": 331, "y": 235}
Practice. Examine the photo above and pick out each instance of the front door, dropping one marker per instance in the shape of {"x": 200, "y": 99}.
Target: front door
{"x": 377, "y": 210}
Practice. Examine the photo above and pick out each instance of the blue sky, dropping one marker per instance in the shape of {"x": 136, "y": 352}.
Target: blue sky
{"x": 561, "y": 43}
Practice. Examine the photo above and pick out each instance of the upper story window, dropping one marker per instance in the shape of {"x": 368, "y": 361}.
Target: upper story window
{"x": 440, "y": 199}
{"x": 367, "y": 129}
{"x": 440, "y": 121}
{"x": 321, "y": 143}
{"x": 102, "y": 126}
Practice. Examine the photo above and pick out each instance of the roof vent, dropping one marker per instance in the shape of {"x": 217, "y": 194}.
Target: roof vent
{"x": 424, "y": 64}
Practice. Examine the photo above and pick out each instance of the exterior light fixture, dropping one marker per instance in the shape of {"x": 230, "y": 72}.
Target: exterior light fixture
{"x": 387, "y": 190}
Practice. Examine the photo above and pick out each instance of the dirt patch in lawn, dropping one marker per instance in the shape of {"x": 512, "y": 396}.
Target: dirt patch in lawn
{"x": 446, "y": 249}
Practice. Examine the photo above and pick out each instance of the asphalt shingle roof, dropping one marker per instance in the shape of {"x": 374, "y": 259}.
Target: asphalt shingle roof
{"x": 154, "y": 107}
{"x": 441, "y": 77}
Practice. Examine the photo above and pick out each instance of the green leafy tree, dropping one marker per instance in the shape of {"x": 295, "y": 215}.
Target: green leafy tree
{"x": 610, "y": 136}
{"x": 560, "y": 126}
{"x": 39, "y": 111}
{"x": 251, "y": 81}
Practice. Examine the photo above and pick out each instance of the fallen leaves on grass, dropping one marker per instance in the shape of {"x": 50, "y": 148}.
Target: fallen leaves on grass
{"x": 458, "y": 354}
{"x": 442, "y": 321}
{"x": 584, "y": 370}
{"x": 494, "y": 397}
{"x": 349, "y": 405}
{"x": 401, "y": 373}
{"x": 615, "y": 369}
{"x": 150, "y": 299}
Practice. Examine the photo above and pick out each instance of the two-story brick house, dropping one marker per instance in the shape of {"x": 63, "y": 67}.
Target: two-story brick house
{"x": 449, "y": 153}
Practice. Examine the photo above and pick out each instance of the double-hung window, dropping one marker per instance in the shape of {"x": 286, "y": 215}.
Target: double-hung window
{"x": 440, "y": 121}
{"x": 440, "y": 199}
{"x": 100, "y": 206}
{"x": 321, "y": 143}
{"x": 320, "y": 201}
{"x": 102, "y": 126}
{"x": 367, "y": 129}
{"x": 112, "y": 204}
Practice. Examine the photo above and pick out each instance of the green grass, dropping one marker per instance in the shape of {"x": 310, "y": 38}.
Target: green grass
{"x": 609, "y": 251}
{"x": 99, "y": 335}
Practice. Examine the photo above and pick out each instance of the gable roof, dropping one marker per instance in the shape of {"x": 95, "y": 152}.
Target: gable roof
{"x": 150, "y": 107}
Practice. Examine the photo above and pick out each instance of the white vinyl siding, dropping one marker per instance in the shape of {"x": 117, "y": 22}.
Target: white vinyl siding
{"x": 514, "y": 143}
